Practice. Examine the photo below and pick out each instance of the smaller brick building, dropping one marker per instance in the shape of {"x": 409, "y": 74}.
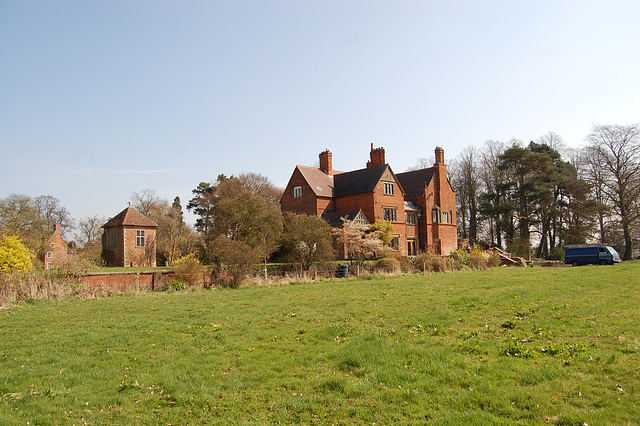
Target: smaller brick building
{"x": 129, "y": 239}
{"x": 55, "y": 250}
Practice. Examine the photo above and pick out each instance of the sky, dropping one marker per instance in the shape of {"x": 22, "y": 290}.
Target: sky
{"x": 103, "y": 98}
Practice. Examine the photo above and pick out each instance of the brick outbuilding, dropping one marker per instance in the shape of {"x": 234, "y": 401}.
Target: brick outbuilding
{"x": 55, "y": 250}
{"x": 129, "y": 239}
{"x": 420, "y": 204}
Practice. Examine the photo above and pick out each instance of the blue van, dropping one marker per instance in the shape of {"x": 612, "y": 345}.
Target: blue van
{"x": 591, "y": 255}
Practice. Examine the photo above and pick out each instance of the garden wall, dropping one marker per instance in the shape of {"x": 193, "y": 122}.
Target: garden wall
{"x": 128, "y": 281}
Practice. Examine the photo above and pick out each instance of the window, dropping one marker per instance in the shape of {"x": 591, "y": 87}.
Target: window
{"x": 112, "y": 238}
{"x": 395, "y": 242}
{"x": 140, "y": 238}
{"x": 297, "y": 192}
{"x": 411, "y": 218}
{"x": 389, "y": 214}
{"x": 445, "y": 217}
{"x": 49, "y": 265}
{"x": 435, "y": 216}
{"x": 49, "y": 255}
{"x": 411, "y": 248}
{"x": 388, "y": 189}
{"x": 53, "y": 245}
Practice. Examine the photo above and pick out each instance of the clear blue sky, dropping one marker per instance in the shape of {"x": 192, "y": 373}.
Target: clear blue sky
{"x": 102, "y": 98}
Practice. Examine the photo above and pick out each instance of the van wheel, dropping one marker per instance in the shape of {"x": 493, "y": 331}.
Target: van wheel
{"x": 603, "y": 262}
{"x": 574, "y": 263}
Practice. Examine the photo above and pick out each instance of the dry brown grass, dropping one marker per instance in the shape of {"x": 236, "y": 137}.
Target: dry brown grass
{"x": 16, "y": 287}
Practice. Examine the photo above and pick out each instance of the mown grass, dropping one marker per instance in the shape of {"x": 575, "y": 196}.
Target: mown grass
{"x": 528, "y": 345}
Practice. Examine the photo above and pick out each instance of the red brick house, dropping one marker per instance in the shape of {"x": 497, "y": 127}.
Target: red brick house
{"x": 55, "y": 250}
{"x": 129, "y": 239}
{"x": 420, "y": 204}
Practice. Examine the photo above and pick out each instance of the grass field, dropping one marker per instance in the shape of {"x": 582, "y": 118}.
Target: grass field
{"x": 504, "y": 346}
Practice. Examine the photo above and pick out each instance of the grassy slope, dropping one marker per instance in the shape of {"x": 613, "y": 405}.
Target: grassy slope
{"x": 400, "y": 350}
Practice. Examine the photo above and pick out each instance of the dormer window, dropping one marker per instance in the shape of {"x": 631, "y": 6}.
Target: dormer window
{"x": 388, "y": 189}
{"x": 297, "y": 192}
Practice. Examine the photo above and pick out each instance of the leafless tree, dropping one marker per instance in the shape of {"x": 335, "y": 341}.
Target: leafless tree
{"x": 465, "y": 178}
{"x": 614, "y": 150}
{"x": 89, "y": 230}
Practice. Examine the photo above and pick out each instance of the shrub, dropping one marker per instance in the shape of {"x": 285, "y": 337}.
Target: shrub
{"x": 404, "y": 261}
{"x": 493, "y": 260}
{"x": 557, "y": 253}
{"x": 477, "y": 258}
{"x": 176, "y": 285}
{"x": 430, "y": 263}
{"x": 234, "y": 261}
{"x": 14, "y": 256}
{"x": 188, "y": 269}
{"x": 388, "y": 264}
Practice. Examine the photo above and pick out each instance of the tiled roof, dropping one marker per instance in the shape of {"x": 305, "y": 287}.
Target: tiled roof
{"x": 130, "y": 217}
{"x": 358, "y": 181}
{"x": 320, "y": 182}
{"x": 414, "y": 182}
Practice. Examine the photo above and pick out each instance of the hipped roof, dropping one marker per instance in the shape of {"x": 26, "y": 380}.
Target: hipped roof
{"x": 130, "y": 217}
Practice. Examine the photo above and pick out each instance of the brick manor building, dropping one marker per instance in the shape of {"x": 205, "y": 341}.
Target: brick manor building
{"x": 421, "y": 204}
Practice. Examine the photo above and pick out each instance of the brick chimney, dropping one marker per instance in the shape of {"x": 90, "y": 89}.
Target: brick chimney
{"x": 326, "y": 163}
{"x": 439, "y": 155}
{"x": 377, "y": 158}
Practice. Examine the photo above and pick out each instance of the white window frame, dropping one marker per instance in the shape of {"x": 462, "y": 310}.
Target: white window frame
{"x": 53, "y": 245}
{"x": 297, "y": 191}
{"x": 388, "y": 188}
{"x": 49, "y": 255}
{"x": 140, "y": 237}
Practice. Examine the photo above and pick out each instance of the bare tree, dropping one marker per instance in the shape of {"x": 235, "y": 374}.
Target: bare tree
{"x": 465, "y": 178}
{"x": 89, "y": 230}
{"x": 146, "y": 201}
{"x": 615, "y": 151}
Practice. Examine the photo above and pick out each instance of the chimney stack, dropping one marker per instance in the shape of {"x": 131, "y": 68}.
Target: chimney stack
{"x": 439, "y": 155}
{"x": 377, "y": 158}
{"x": 326, "y": 163}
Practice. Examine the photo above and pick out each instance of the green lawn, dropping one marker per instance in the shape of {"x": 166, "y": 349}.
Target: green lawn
{"x": 526, "y": 345}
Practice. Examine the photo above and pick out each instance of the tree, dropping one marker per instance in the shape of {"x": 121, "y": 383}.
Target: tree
{"x": 359, "y": 241}
{"x": 14, "y": 256}
{"x": 147, "y": 202}
{"x": 615, "y": 151}
{"x": 33, "y": 219}
{"x": 528, "y": 170}
{"x": 89, "y": 230}
{"x": 494, "y": 206}
{"x": 465, "y": 179}
{"x": 384, "y": 231}
{"x": 251, "y": 219}
{"x": 306, "y": 240}
{"x": 174, "y": 237}
{"x": 226, "y": 207}
{"x": 234, "y": 260}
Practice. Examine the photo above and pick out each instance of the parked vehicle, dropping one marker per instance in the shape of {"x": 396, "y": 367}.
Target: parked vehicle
{"x": 591, "y": 255}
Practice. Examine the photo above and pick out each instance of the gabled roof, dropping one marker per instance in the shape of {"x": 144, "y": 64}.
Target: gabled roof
{"x": 414, "y": 182}
{"x": 335, "y": 219}
{"x": 130, "y": 217}
{"x": 359, "y": 181}
{"x": 320, "y": 182}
